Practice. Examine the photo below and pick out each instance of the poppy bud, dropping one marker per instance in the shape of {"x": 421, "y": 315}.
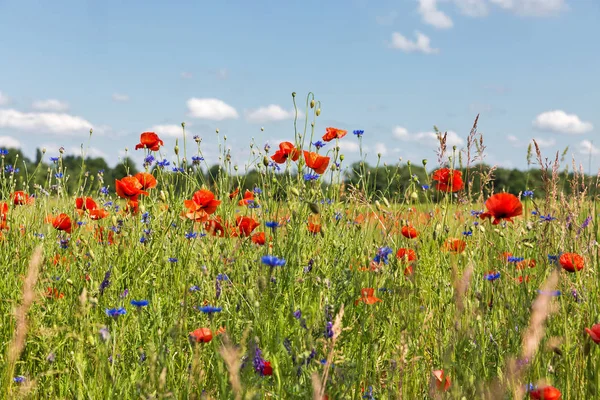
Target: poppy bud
{"x": 217, "y": 130}
{"x": 414, "y": 196}
{"x": 183, "y": 124}
{"x": 142, "y": 209}
{"x": 43, "y": 150}
{"x": 70, "y": 282}
{"x": 235, "y": 167}
{"x": 408, "y": 163}
{"x": 342, "y": 157}
{"x": 424, "y": 162}
{"x": 318, "y": 112}
{"x": 265, "y": 161}
{"x": 114, "y": 220}
{"x": 293, "y": 94}
{"x": 176, "y": 150}
{"x": 91, "y": 131}
{"x": 262, "y": 128}
{"x": 163, "y": 196}
{"x": 386, "y": 202}
{"x": 377, "y": 205}
{"x": 314, "y": 208}
{"x": 225, "y": 137}
{"x": 295, "y": 191}
{"x": 312, "y": 124}
{"x": 312, "y": 104}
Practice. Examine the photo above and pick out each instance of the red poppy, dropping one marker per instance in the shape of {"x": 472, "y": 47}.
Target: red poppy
{"x": 62, "y": 222}
{"x": 545, "y": 393}
{"x": 594, "y": 333}
{"x": 214, "y": 227}
{"x": 201, "y": 335}
{"x": 267, "y": 369}
{"x": 129, "y": 188}
{"x": 366, "y": 296}
{"x": 20, "y": 198}
{"x": 333, "y": 133}
{"x": 259, "y": 238}
{"x": 522, "y": 279}
{"x": 408, "y": 271}
{"x": 50, "y": 292}
{"x": 524, "y": 264}
{"x": 150, "y": 141}
{"x": 409, "y": 232}
{"x": 99, "y": 235}
{"x": 406, "y": 255}
{"x": 202, "y": 204}
{"x": 571, "y": 262}
{"x": 502, "y": 206}
{"x": 316, "y": 162}
{"x": 147, "y": 180}
{"x": 314, "y": 228}
{"x": 234, "y": 193}
{"x": 85, "y": 203}
{"x": 442, "y": 381}
{"x": 248, "y": 198}
{"x": 245, "y": 226}
{"x": 454, "y": 245}
{"x": 448, "y": 180}
{"x": 3, "y": 215}
{"x": 286, "y": 150}
{"x": 132, "y": 207}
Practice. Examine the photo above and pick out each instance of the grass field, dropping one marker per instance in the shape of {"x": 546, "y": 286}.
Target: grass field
{"x": 176, "y": 294}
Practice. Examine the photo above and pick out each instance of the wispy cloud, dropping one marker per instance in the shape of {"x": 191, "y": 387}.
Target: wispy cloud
{"x": 9, "y": 142}
{"x": 211, "y": 109}
{"x": 433, "y": 16}
{"x": 270, "y": 113}
{"x": 50, "y": 105}
{"x": 120, "y": 97}
{"x": 421, "y": 45}
{"x": 532, "y": 8}
{"x": 4, "y": 99}
{"x": 427, "y": 138}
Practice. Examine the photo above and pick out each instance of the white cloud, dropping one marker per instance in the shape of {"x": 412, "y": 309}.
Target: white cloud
{"x": 270, "y": 113}
{"x": 168, "y": 130}
{"x": 50, "y": 105}
{"x": 560, "y": 122}
{"x": 586, "y": 148}
{"x": 186, "y": 75}
{"x": 9, "y": 142}
{"x": 472, "y": 8}
{"x": 57, "y": 123}
{"x": 545, "y": 142}
{"x": 432, "y": 16}
{"x": 52, "y": 149}
{"x": 349, "y": 146}
{"x": 4, "y": 99}
{"x": 212, "y": 109}
{"x": 532, "y": 8}
{"x": 421, "y": 45}
{"x": 120, "y": 97}
{"x": 427, "y": 138}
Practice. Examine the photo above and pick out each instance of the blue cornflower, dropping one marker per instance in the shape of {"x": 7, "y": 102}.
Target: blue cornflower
{"x": 382, "y": 255}
{"x": 550, "y": 292}
{"x": 492, "y": 276}
{"x": 3, "y": 152}
{"x": 209, "y": 309}
{"x": 252, "y": 204}
{"x": 163, "y": 163}
{"x": 194, "y": 288}
{"x": 271, "y": 224}
{"x": 273, "y": 261}
{"x": 369, "y": 394}
{"x": 54, "y": 159}
{"x": 139, "y": 303}
{"x": 475, "y": 213}
{"x": 552, "y": 259}
{"x": 222, "y": 277}
{"x": 105, "y": 282}
{"x": 197, "y": 159}
{"x": 534, "y": 212}
{"x": 297, "y": 314}
{"x": 257, "y": 190}
{"x": 468, "y": 233}
{"x": 547, "y": 218}
{"x": 311, "y": 177}
{"x": 191, "y": 235}
{"x": 512, "y": 259}
{"x": 124, "y": 294}
{"x": 104, "y": 190}
{"x": 178, "y": 169}
{"x": 173, "y": 259}
{"x": 329, "y": 330}
{"x": 528, "y": 193}
{"x": 59, "y": 175}
{"x": 19, "y": 379}
{"x": 319, "y": 144}
{"x": 358, "y": 132}
{"x": 143, "y": 239}
{"x": 9, "y": 169}
{"x": 149, "y": 159}
{"x": 115, "y": 312}
{"x": 425, "y": 187}
{"x": 146, "y": 217}
{"x": 274, "y": 165}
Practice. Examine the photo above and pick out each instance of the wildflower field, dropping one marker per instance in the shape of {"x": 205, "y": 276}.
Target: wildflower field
{"x": 178, "y": 282}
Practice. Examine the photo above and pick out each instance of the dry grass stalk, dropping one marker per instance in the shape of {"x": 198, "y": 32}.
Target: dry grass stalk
{"x": 337, "y": 330}
{"x": 531, "y": 341}
{"x": 17, "y": 343}
{"x": 316, "y": 384}
{"x": 232, "y": 359}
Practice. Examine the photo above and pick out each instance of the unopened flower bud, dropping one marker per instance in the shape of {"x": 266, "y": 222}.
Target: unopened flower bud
{"x": 265, "y": 161}
{"x": 293, "y": 94}
{"x": 183, "y": 124}
{"x": 342, "y": 157}
{"x": 318, "y": 112}
{"x": 217, "y": 130}
{"x": 424, "y": 162}
{"x": 295, "y": 191}
{"x": 312, "y": 104}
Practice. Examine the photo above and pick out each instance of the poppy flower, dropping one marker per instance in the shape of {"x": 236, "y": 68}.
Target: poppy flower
{"x": 20, "y": 198}
{"x": 408, "y": 271}
{"x": 99, "y": 235}
{"x": 245, "y": 226}
{"x": 133, "y": 206}
{"x": 366, "y": 296}
{"x": 3, "y": 215}
{"x": 333, "y": 133}
{"x": 502, "y": 206}
{"x": 50, "y": 292}
{"x": 525, "y": 263}
{"x": 62, "y": 222}
{"x": 454, "y": 245}
{"x": 248, "y": 198}
{"x": 594, "y": 333}
{"x": 571, "y": 262}
{"x": 201, "y": 335}
{"x": 214, "y": 227}
{"x": 448, "y": 180}
{"x": 314, "y": 228}
{"x": 150, "y": 141}
{"x": 202, "y": 204}
{"x": 129, "y": 188}
{"x": 442, "y": 382}
{"x": 259, "y": 238}
{"x": 409, "y": 232}
{"x": 545, "y": 393}
{"x": 316, "y": 162}
{"x": 267, "y": 368}
{"x": 406, "y": 255}
{"x": 286, "y": 150}
{"x": 85, "y": 203}
{"x": 147, "y": 180}
{"x": 234, "y": 193}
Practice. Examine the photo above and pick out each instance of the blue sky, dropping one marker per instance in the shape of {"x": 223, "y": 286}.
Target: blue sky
{"x": 392, "y": 68}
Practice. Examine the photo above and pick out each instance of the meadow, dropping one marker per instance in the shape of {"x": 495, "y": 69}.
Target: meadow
{"x": 165, "y": 284}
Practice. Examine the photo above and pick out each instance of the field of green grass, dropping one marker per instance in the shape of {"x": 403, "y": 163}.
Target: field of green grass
{"x": 301, "y": 288}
